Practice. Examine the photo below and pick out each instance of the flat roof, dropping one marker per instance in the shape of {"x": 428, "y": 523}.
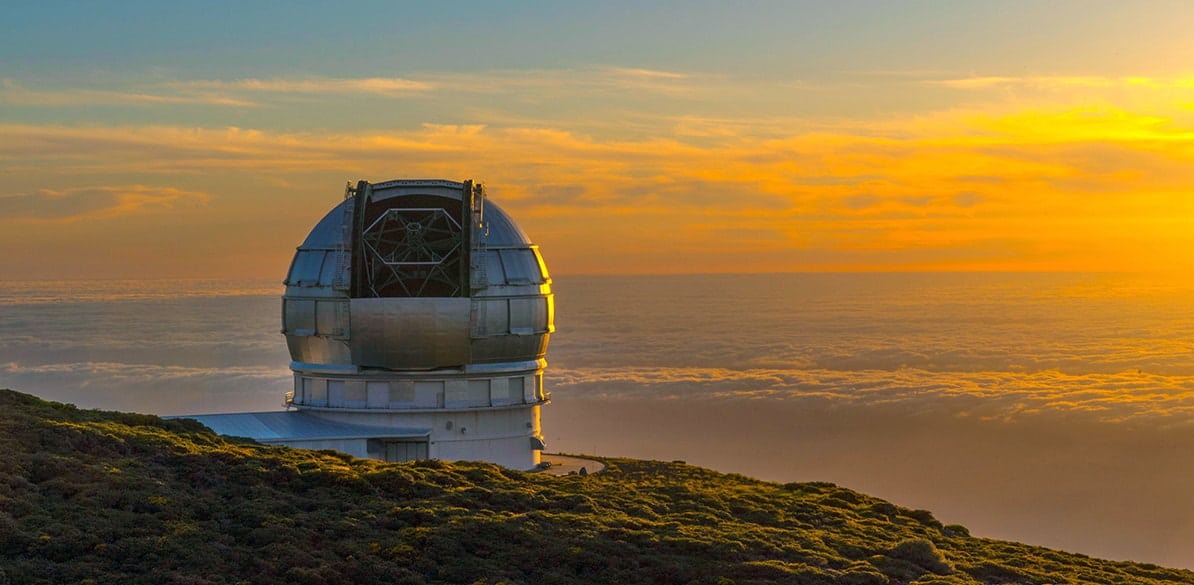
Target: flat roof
{"x": 293, "y": 425}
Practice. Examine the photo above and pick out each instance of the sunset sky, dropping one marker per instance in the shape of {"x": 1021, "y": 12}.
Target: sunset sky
{"x": 204, "y": 139}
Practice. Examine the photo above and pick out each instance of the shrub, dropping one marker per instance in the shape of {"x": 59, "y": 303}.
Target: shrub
{"x": 923, "y": 553}
{"x": 955, "y": 530}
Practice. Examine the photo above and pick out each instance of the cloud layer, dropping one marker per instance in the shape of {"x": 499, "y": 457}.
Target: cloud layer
{"x": 618, "y": 169}
{"x": 71, "y": 205}
{"x": 1002, "y": 396}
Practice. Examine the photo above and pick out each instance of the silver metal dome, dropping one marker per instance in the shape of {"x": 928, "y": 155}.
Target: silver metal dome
{"x": 416, "y": 281}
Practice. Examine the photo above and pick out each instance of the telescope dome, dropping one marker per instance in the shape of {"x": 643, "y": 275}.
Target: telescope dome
{"x": 421, "y": 303}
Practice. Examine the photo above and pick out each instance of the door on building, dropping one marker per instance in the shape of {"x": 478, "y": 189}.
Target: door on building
{"x": 405, "y": 450}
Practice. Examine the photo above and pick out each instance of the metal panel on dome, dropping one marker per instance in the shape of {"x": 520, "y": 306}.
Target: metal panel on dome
{"x": 328, "y": 233}
{"x": 542, "y": 265}
{"x": 331, "y": 266}
{"x": 306, "y": 267}
{"x": 521, "y": 266}
{"x": 502, "y": 231}
{"x": 317, "y": 351}
{"x": 298, "y": 316}
{"x": 491, "y": 262}
{"x": 405, "y": 333}
{"x": 509, "y": 348}
{"x": 492, "y": 318}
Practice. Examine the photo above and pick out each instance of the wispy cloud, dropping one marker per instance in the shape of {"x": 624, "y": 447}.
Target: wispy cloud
{"x": 647, "y": 73}
{"x": 375, "y": 85}
{"x": 16, "y": 94}
{"x": 240, "y": 91}
{"x": 582, "y": 82}
{"x": 1064, "y": 81}
{"x": 77, "y": 204}
{"x": 650, "y": 80}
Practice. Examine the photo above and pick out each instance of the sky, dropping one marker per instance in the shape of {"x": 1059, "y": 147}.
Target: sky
{"x": 205, "y": 139}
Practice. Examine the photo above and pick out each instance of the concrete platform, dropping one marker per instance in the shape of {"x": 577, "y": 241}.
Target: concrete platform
{"x": 566, "y": 465}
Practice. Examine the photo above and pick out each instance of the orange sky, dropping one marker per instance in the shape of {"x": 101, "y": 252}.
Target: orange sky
{"x": 775, "y": 162}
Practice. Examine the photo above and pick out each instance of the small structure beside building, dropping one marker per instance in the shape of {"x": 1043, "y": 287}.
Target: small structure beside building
{"x": 417, "y": 315}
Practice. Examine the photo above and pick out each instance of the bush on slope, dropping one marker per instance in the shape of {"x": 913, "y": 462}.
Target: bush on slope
{"x": 105, "y": 497}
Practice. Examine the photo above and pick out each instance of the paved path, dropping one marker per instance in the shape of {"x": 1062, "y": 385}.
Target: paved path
{"x": 565, "y": 465}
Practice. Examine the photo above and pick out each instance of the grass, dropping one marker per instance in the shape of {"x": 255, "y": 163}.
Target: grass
{"x": 107, "y": 497}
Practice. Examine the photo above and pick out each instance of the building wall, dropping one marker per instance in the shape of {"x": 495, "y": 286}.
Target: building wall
{"x": 419, "y": 390}
{"x": 512, "y": 452}
{"x": 504, "y": 436}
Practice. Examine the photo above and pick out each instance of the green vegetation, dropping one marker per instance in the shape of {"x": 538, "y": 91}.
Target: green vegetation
{"x": 104, "y": 497}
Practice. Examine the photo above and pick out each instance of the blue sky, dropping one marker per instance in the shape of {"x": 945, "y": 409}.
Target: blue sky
{"x": 765, "y": 38}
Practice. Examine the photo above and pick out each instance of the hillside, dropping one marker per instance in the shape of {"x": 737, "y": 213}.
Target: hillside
{"x": 107, "y": 497}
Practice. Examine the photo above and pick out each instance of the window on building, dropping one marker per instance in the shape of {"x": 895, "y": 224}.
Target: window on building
{"x": 403, "y": 395}
{"x": 336, "y": 392}
{"x": 354, "y": 395}
{"x": 317, "y": 393}
{"x": 478, "y": 393}
{"x": 517, "y": 388}
{"x": 378, "y": 394}
{"x": 429, "y": 394}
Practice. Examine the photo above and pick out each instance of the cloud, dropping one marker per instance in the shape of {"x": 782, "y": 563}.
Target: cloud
{"x": 158, "y": 389}
{"x": 647, "y": 73}
{"x": 536, "y": 82}
{"x": 1039, "y": 82}
{"x": 1078, "y": 188}
{"x": 796, "y": 161}
{"x": 1032, "y": 82}
{"x": 861, "y": 201}
{"x": 649, "y": 80}
{"x": 572, "y": 81}
{"x": 125, "y": 373}
{"x": 1002, "y": 396}
{"x": 15, "y": 94}
{"x": 500, "y": 92}
{"x": 29, "y": 293}
{"x": 392, "y": 86}
{"x": 93, "y": 203}
{"x": 967, "y": 199}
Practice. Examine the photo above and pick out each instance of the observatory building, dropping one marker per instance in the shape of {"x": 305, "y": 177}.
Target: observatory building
{"x": 417, "y": 315}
